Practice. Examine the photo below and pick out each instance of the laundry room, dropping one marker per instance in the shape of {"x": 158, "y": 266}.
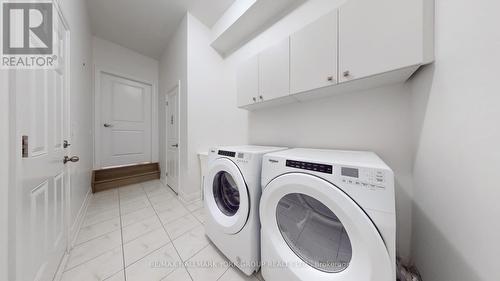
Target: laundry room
{"x": 347, "y": 140}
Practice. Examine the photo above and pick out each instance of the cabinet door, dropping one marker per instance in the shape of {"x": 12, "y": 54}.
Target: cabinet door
{"x": 248, "y": 81}
{"x": 379, "y": 36}
{"x": 313, "y": 55}
{"x": 274, "y": 71}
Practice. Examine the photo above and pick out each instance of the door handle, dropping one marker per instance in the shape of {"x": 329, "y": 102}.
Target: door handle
{"x": 72, "y": 159}
{"x": 175, "y": 145}
{"x": 107, "y": 125}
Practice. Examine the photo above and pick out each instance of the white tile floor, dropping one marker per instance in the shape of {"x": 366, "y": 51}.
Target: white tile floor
{"x": 143, "y": 232}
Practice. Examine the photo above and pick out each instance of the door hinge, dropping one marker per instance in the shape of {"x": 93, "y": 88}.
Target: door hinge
{"x": 166, "y": 174}
{"x": 25, "y": 147}
{"x": 66, "y": 144}
{"x": 172, "y": 120}
{"x": 167, "y": 103}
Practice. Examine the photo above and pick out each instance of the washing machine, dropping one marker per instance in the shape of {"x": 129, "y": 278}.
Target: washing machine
{"x": 327, "y": 215}
{"x": 232, "y": 193}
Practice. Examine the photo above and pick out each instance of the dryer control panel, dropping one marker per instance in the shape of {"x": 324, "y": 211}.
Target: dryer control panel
{"x": 369, "y": 178}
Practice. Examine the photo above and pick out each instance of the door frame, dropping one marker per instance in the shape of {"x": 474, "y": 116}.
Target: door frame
{"x": 15, "y": 170}
{"x": 98, "y": 71}
{"x": 164, "y": 175}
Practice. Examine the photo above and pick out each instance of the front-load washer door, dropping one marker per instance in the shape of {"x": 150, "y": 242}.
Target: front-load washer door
{"x": 320, "y": 232}
{"x": 226, "y": 196}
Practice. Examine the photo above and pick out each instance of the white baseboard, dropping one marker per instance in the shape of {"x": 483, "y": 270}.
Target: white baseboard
{"x": 62, "y": 265}
{"x": 163, "y": 180}
{"x": 189, "y": 197}
{"x": 75, "y": 228}
{"x": 73, "y": 234}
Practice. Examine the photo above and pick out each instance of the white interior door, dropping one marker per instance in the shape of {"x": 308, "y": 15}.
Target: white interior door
{"x": 125, "y": 121}
{"x": 173, "y": 138}
{"x": 42, "y": 114}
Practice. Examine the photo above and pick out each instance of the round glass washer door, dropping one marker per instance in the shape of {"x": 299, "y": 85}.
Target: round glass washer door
{"x": 226, "y": 196}
{"x": 320, "y": 232}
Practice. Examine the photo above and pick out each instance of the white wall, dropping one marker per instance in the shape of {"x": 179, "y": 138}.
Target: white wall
{"x": 209, "y": 116}
{"x": 377, "y": 120}
{"x": 173, "y": 68}
{"x": 118, "y": 60}
{"x": 456, "y": 225}
{"x": 213, "y": 118}
{"x": 4, "y": 172}
{"x": 75, "y": 13}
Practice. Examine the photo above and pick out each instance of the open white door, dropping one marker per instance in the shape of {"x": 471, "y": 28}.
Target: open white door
{"x": 173, "y": 151}
{"x": 42, "y": 191}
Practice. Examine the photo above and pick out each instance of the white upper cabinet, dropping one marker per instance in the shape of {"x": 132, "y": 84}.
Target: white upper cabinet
{"x": 379, "y": 36}
{"x": 274, "y": 71}
{"x": 313, "y": 55}
{"x": 247, "y": 78}
{"x": 360, "y": 45}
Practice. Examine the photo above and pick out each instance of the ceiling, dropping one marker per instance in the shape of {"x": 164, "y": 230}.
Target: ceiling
{"x": 146, "y": 25}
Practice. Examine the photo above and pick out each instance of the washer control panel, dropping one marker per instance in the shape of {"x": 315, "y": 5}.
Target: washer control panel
{"x": 368, "y": 178}
{"x": 227, "y": 153}
{"x": 243, "y": 157}
{"x": 322, "y": 168}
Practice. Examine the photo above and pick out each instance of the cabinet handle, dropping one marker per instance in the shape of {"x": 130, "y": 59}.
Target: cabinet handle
{"x": 347, "y": 73}
{"x": 330, "y": 79}
{"x": 261, "y": 97}
{"x": 254, "y": 99}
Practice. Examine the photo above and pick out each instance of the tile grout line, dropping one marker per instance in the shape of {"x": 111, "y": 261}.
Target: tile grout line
{"x": 82, "y": 263}
{"x": 227, "y": 269}
{"x": 121, "y": 235}
{"x": 92, "y": 224}
{"x": 171, "y": 241}
{"x": 140, "y": 221}
{"x": 140, "y": 236}
{"x": 99, "y": 222}
{"x": 97, "y": 237}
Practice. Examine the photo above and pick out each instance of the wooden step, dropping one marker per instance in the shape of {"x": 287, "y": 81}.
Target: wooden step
{"x": 109, "y": 178}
